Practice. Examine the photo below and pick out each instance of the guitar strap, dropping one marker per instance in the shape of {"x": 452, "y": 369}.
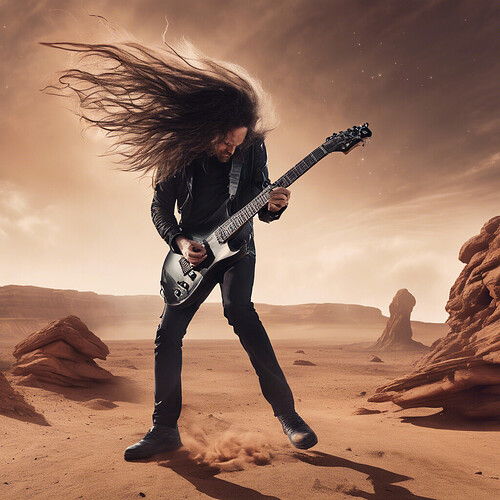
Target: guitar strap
{"x": 235, "y": 173}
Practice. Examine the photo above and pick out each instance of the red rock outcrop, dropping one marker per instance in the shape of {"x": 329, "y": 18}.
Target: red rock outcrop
{"x": 61, "y": 353}
{"x": 461, "y": 373}
{"x": 14, "y": 405}
{"x": 397, "y": 335}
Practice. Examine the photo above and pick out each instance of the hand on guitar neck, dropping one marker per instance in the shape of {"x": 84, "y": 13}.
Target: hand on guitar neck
{"x": 192, "y": 251}
{"x": 279, "y": 199}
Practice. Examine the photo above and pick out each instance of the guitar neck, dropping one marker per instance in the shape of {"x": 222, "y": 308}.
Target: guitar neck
{"x": 231, "y": 225}
{"x": 301, "y": 168}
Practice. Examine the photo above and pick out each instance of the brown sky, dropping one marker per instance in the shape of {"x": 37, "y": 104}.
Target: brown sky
{"x": 359, "y": 227}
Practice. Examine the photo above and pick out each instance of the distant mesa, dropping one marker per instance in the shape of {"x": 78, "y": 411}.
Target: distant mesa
{"x": 397, "y": 335}
{"x": 13, "y": 404}
{"x": 61, "y": 353}
{"x": 461, "y": 373}
{"x": 25, "y": 309}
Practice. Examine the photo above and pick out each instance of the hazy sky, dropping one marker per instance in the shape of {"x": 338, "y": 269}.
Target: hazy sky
{"x": 424, "y": 74}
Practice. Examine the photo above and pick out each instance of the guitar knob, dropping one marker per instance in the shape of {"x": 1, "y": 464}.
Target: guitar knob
{"x": 192, "y": 275}
{"x": 184, "y": 285}
{"x": 177, "y": 292}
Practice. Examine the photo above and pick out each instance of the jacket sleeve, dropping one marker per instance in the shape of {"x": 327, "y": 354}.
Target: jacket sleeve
{"x": 261, "y": 181}
{"x": 162, "y": 211}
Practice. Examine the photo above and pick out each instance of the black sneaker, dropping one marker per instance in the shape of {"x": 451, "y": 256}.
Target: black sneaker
{"x": 159, "y": 439}
{"x": 299, "y": 433}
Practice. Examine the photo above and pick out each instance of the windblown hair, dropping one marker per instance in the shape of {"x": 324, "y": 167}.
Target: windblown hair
{"x": 162, "y": 109}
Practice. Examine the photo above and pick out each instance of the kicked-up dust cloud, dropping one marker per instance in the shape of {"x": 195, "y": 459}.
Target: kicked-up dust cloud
{"x": 227, "y": 451}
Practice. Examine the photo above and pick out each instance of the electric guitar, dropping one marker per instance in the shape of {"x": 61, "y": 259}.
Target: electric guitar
{"x": 183, "y": 284}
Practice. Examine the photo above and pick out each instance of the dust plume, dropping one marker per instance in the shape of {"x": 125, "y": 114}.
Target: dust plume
{"x": 227, "y": 451}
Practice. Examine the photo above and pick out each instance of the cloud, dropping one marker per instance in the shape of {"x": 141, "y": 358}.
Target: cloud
{"x": 20, "y": 220}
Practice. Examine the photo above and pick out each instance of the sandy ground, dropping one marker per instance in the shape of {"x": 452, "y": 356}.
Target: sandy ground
{"x": 233, "y": 447}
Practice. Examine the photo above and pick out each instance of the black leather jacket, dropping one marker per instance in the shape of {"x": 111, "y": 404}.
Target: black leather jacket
{"x": 253, "y": 179}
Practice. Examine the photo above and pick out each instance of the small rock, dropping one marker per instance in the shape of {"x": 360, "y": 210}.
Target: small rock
{"x": 303, "y": 362}
{"x": 142, "y": 494}
{"x": 479, "y": 473}
{"x": 365, "y": 411}
{"x": 300, "y": 352}
{"x": 348, "y": 449}
{"x": 376, "y": 359}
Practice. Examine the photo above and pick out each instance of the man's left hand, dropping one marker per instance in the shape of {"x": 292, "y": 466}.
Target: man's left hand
{"x": 279, "y": 199}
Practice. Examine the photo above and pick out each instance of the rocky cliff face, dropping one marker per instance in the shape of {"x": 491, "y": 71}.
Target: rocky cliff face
{"x": 461, "y": 373}
{"x": 397, "y": 335}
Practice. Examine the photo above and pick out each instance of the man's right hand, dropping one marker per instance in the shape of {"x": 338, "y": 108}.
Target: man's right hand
{"x": 192, "y": 251}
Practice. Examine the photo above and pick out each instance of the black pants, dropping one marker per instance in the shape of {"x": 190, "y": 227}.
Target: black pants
{"x": 236, "y": 286}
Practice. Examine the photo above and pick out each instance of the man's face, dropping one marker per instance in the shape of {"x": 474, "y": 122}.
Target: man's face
{"x": 224, "y": 148}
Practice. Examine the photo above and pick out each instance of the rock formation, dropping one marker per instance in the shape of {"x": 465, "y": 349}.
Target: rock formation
{"x": 397, "y": 333}
{"x": 61, "y": 353}
{"x": 461, "y": 373}
{"x": 13, "y": 404}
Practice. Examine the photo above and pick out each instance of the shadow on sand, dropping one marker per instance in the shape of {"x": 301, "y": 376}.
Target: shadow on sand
{"x": 202, "y": 477}
{"x": 381, "y": 479}
{"x": 36, "y": 418}
{"x": 117, "y": 389}
{"x": 452, "y": 421}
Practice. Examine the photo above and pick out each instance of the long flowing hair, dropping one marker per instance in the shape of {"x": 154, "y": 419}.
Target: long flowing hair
{"x": 162, "y": 109}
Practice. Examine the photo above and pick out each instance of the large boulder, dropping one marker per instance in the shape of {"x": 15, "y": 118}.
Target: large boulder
{"x": 61, "y": 353}
{"x": 461, "y": 373}
{"x": 397, "y": 335}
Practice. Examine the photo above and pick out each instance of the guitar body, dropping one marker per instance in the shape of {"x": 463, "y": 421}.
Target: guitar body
{"x": 182, "y": 284}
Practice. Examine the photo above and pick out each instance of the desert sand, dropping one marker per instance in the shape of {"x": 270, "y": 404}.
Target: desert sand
{"x": 233, "y": 446}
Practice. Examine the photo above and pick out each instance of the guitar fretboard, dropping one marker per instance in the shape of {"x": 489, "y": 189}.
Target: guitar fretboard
{"x": 225, "y": 230}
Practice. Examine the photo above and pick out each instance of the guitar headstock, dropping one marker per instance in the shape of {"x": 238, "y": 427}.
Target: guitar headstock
{"x": 347, "y": 140}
